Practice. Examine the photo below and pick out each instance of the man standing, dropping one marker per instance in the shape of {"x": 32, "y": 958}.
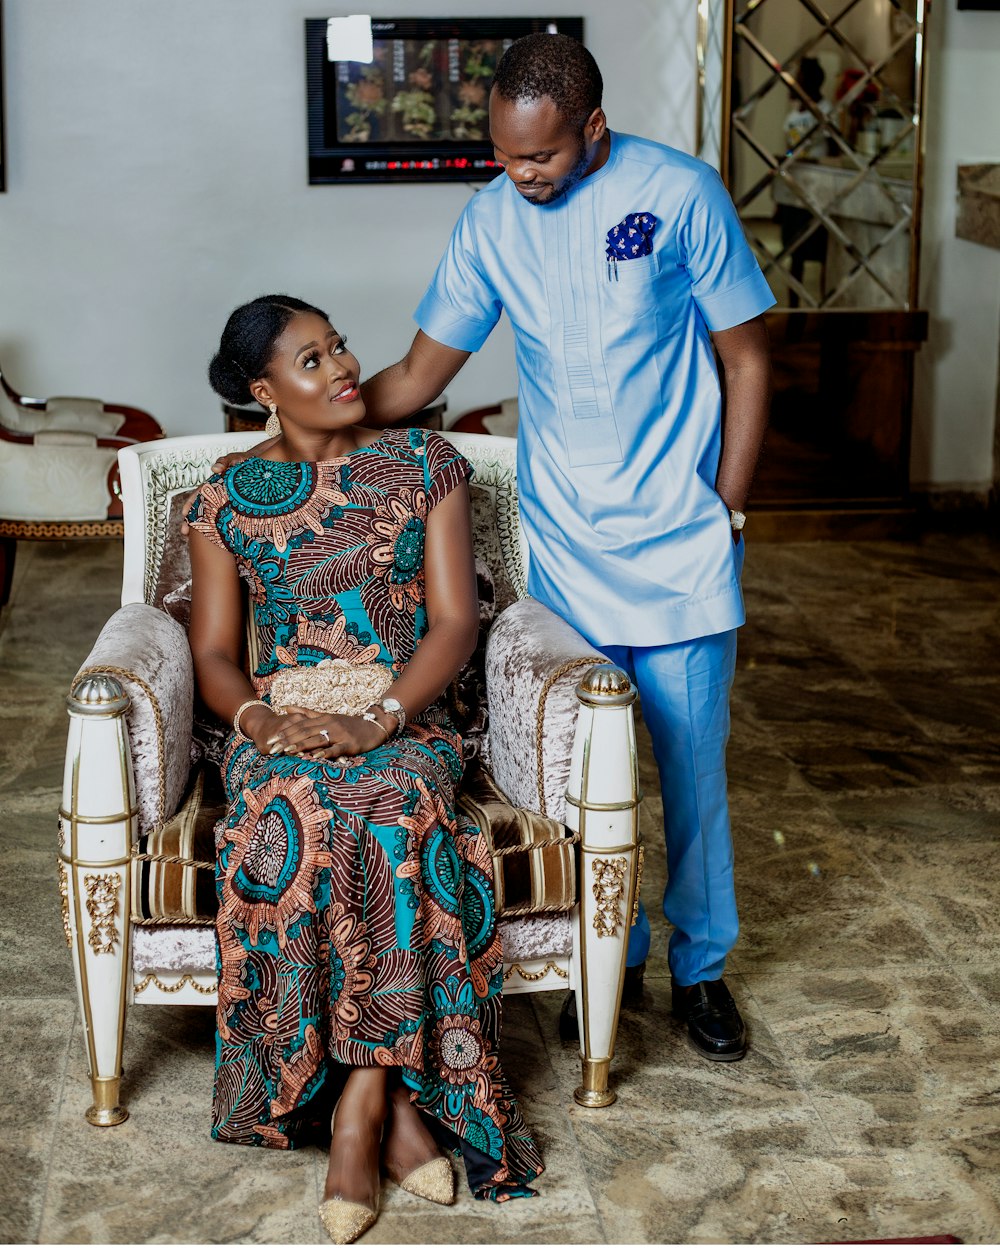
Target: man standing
{"x": 620, "y": 263}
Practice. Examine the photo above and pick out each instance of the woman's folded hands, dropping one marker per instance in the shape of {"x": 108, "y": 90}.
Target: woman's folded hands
{"x": 320, "y": 735}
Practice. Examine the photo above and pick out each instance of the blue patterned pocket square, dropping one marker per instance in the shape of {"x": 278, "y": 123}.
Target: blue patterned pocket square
{"x": 630, "y": 239}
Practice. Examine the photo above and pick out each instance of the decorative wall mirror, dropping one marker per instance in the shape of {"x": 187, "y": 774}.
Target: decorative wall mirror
{"x": 813, "y": 114}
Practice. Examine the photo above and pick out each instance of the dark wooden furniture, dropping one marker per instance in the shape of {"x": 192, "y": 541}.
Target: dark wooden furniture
{"x": 837, "y": 454}
{"x": 471, "y": 422}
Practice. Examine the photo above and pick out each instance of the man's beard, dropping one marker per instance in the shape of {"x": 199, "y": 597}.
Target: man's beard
{"x": 575, "y": 175}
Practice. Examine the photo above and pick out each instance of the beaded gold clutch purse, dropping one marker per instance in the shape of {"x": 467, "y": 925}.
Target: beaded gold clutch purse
{"x": 333, "y": 686}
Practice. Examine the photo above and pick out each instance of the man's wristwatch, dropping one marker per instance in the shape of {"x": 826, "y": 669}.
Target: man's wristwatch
{"x": 737, "y": 519}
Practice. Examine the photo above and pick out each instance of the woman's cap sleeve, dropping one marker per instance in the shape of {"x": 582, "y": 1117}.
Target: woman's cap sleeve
{"x": 203, "y": 517}
{"x": 446, "y": 468}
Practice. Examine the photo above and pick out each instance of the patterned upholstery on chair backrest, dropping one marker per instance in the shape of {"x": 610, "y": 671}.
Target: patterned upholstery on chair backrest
{"x": 156, "y": 479}
{"x": 496, "y": 530}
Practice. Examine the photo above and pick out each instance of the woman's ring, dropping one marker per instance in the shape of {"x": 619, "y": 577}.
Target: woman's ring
{"x": 325, "y": 733}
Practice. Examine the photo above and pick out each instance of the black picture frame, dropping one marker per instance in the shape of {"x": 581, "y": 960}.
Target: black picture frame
{"x": 357, "y": 132}
{"x": 992, "y": 6}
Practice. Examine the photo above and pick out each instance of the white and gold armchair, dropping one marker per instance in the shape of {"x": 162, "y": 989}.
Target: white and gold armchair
{"x": 553, "y": 779}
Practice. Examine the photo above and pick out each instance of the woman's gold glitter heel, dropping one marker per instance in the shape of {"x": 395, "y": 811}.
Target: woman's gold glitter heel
{"x": 345, "y": 1221}
{"x": 434, "y": 1181}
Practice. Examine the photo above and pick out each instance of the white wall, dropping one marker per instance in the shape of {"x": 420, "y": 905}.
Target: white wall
{"x": 956, "y": 382}
{"x": 157, "y": 178}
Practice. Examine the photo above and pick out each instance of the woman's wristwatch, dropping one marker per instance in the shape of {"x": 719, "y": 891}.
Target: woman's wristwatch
{"x": 396, "y": 711}
{"x": 391, "y": 707}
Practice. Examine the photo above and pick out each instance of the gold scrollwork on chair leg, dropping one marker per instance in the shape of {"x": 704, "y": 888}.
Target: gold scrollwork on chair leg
{"x": 609, "y": 890}
{"x": 64, "y": 902}
{"x": 102, "y": 907}
{"x": 640, "y": 861}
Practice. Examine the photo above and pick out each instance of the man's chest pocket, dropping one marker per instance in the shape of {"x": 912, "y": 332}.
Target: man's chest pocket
{"x": 633, "y": 272}
{"x": 632, "y": 286}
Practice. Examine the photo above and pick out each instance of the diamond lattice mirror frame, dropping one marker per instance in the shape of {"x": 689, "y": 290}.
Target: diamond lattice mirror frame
{"x": 725, "y": 27}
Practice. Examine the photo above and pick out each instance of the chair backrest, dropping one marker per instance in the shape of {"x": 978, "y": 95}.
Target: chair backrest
{"x": 157, "y": 477}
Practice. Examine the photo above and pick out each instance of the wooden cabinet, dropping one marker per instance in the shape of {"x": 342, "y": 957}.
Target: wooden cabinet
{"x": 836, "y": 458}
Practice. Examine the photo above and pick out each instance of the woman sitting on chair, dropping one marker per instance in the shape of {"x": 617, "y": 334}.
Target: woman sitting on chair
{"x": 357, "y": 944}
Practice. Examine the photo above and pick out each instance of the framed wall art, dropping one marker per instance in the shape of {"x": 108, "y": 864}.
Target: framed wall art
{"x": 411, "y": 105}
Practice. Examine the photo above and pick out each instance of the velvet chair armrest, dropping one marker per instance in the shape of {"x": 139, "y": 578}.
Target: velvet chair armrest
{"x": 534, "y": 661}
{"x": 148, "y": 653}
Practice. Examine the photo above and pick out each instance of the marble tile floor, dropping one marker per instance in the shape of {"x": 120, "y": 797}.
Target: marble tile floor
{"x": 865, "y": 784}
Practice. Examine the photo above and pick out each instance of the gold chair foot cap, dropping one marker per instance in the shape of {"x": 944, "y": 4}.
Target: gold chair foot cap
{"x": 345, "y": 1221}
{"x": 434, "y": 1181}
{"x": 105, "y": 1117}
{"x": 593, "y": 1097}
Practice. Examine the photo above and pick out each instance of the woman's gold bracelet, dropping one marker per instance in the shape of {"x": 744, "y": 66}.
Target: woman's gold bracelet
{"x": 242, "y": 708}
{"x": 369, "y": 715}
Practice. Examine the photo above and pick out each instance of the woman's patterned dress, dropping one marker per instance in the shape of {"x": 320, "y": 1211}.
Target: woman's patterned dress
{"x": 356, "y": 922}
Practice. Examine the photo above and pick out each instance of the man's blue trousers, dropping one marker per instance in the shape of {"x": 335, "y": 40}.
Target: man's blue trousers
{"x": 684, "y": 688}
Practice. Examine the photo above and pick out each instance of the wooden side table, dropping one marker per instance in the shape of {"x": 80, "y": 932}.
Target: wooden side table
{"x": 239, "y": 419}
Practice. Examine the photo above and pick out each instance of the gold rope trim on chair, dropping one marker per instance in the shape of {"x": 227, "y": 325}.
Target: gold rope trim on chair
{"x": 174, "y": 859}
{"x": 535, "y": 976}
{"x": 533, "y": 909}
{"x": 187, "y": 921}
{"x": 152, "y": 979}
{"x": 64, "y": 902}
{"x": 157, "y": 717}
{"x": 641, "y": 859}
{"x": 550, "y": 681}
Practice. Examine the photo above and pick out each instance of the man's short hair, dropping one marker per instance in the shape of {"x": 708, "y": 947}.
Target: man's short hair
{"x": 556, "y": 66}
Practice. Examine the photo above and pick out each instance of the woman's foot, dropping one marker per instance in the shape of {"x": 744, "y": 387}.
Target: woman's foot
{"x": 410, "y": 1154}
{"x": 351, "y": 1193}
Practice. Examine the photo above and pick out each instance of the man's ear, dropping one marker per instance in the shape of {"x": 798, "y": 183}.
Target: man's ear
{"x": 595, "y": 126}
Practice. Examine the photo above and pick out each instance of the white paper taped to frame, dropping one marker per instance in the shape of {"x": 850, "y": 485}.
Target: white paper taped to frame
{"x": 350, "y": 38}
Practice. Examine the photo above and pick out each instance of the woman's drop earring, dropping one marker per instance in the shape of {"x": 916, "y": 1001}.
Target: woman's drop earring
{"x": 273, "y": 427}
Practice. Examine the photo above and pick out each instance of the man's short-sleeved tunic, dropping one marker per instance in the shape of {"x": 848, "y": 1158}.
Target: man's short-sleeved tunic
{"x": 619, "y": 399}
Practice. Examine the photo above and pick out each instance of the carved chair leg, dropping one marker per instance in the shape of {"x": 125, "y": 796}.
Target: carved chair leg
{"x": 96, "y": 825}
{"x": 602, "y": 806}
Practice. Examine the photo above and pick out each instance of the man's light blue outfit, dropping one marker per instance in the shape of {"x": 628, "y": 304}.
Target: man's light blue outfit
{"x": 618, "y": 449}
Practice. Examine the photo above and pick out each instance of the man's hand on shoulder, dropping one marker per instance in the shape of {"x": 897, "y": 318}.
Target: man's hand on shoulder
{"x": 221, "y": 465}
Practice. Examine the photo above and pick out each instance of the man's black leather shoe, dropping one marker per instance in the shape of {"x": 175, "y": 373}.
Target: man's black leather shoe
{"x": 713, "y": 1019}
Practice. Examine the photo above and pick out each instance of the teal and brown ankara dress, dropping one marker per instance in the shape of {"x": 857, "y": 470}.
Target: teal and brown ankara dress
{"x": 356, "y": 919}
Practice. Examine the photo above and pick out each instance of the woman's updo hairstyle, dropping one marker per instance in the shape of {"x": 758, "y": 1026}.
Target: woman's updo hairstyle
{"x": 247, "y": 344}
